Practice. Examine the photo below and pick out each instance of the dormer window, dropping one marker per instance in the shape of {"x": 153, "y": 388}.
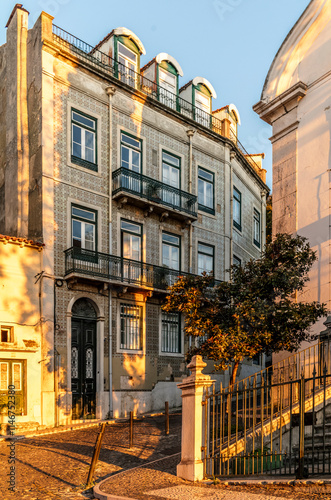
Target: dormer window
{"x": 127, "y": 67}
{"x": 168, "y": 88}
{"x": 199, "y": 92}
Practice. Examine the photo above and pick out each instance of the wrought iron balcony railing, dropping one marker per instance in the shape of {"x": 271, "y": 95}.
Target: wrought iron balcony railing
{"x": 117, "y": 269}
{"x": 125, "y": 180}
{"x": 106, "y": 63}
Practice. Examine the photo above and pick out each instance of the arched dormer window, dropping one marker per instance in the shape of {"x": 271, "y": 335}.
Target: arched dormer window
{"x": 167, "y": 78}
{"x": 234, "y": 121}
{"x": 127, "y": 51}
{"x": 202, "y": 94}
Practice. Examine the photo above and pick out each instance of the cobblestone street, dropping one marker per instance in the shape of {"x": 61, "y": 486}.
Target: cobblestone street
{"x": 55, "y": 466}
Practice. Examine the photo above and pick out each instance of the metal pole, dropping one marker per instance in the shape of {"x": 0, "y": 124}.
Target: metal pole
{"x": 300, "y": 474}
{"x": 96, "y": 454}
{"x": 166, "y": 418}
{"x": 131, "y": 429}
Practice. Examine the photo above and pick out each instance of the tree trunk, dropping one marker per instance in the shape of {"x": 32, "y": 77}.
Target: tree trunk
{"x": 232, "y": 381}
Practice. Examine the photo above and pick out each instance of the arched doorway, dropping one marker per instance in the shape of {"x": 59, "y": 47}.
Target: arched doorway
{"x": 83, "y": 359}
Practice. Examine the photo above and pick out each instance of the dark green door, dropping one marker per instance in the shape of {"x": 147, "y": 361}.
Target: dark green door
{"x": 83, "y": 361}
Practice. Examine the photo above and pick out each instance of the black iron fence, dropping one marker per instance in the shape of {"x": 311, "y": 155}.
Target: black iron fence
{"x": 152, "y": 190}
{"x": 121, "y": 270}
{"x": 105, "y": 63}
{"x": 269, "y": 424}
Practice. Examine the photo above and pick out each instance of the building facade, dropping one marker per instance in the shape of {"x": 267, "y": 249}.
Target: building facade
{"x": 130, "y": 180}
{"x": 296, "y": 101}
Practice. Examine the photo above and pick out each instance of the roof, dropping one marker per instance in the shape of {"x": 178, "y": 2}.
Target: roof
{"x": 22, "y": 241}
{"x": 185, "y": 86}
{"x": 148, "y": 64}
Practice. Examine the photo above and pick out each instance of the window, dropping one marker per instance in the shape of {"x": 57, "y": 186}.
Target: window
{"x": 83, "y": 228}
{"x": 237, "y": 208}
{"x": 131, "y": 249}
{"x": 127, "y": 65}
{"x": 170, "y": 333}
{"x": 236, "y": 261}
{"x": 83, "y": 144}
{"x": 6, "y": 333}
{"x": 202, "y": 108}
{"x": 131, "y": 327}
{"x": 168, "y": 88}
{"x": 171, "y": 177}
{"x": 130, "y": 153}
{"x": 171, "y": 251}
{"x": 205, "y": 258}
{"x": 12, "y": 384}
{"x": 205, "y": 191}
{"x": 257, "y": 228}
{"x": 131, "y": 160}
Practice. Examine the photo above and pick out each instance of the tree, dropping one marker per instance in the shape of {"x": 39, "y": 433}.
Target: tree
{"x": 256, "y": 311}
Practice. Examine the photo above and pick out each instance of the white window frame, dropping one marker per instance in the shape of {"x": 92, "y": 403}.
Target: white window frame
{"x": 236, "y": 202}
{"x": 201, "y": 206}
{"x": 84, "y": 130}
{"x": 127, "y": 78}
{"x": 83, "y": 224}
{"x": 206, "y": 254}
{"x": 256, "y": 224}
{"x": 73, "y": 105}
{"x": 167, "y": 90}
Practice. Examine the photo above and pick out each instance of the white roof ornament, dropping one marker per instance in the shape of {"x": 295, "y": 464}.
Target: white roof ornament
{"x": 234, "y": 109}
{"x": 165, "y": 57}
{"x": 130, "y": 34}
{"x": 203, "y": 81}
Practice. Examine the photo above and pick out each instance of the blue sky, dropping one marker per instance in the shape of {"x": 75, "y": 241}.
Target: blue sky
{"x": 230, "y": 42}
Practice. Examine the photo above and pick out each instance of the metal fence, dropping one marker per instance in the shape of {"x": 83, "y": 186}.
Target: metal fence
{"x": 150, "y": 189}
{"x": 275, "y": 422}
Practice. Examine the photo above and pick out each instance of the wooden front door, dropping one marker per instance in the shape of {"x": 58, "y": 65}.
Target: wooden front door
{"x": 83, "y": 363}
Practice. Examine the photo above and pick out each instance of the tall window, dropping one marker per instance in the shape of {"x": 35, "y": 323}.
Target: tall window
{"x": 171, "y": 177}
{"x": 171, "y": 251}
{"x": 84, "y": 223}
{"x": 257, "y": 228}
{"x": 131, "y": 240}
{"x": 237, "y": 208}
{"x": 12, "y": 379}
{"x": 131, "y": 160}
{"x": 131, "y": 327}
{"x": 83, "y": 144}
{"x": 170, "y": 333}
{"x": 168, "y": 88}
{"x": 202, "y": 108}
{"x": 205, "y": 190}
{"x": 127, "y": 65}
{"x": 205, "y": 258}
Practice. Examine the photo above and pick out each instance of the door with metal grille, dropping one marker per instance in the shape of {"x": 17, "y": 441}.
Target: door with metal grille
{"x": 83, "y": 363}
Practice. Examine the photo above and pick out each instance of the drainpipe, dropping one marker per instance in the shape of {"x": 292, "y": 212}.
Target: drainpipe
{"x": 110, "y": 92}
{"x": 190, "y": 133}
{"x": 232, "y": 156}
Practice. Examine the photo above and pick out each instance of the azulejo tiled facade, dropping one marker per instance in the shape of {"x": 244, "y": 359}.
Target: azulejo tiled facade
{"x": 128, "y": 179}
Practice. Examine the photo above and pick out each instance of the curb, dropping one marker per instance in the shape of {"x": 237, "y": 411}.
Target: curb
{"x": 107, "y": 496}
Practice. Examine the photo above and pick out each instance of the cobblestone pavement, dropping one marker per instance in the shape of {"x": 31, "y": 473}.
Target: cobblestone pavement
{"x": 55, "y": 467}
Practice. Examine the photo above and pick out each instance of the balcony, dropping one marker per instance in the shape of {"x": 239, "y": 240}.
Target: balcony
{"x": 117, "y": 270}
{"x": 156, "y": 196}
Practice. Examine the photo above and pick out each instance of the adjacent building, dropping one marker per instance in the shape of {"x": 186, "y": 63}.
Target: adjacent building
{"x": 296, "y": 101}
{"x": 129, "y": 179}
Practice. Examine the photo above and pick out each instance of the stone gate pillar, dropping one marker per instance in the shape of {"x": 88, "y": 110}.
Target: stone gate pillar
{"x": 191, "y": 465}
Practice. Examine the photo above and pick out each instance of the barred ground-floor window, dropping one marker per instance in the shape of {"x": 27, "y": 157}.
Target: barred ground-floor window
{"x": 170, "y": 333}
{"x": 131, "y": 327}
{"x": 12, "y": 384}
